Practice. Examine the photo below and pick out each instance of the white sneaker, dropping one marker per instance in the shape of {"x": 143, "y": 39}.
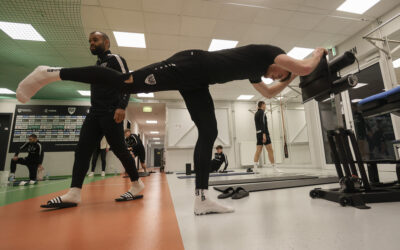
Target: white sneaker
{"x": 32, "y": 182}
{"x": 137, "y": 187}
{"x": 207, "y": 206}
{"x": 22, "y": 183}
{"x": 103, "y": 173}
{"x": 91, "y": 174}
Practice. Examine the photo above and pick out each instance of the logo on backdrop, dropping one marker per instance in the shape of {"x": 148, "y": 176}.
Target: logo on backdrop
{"x": 24, "y": 110}
{"x": 150, "y": 80}
{"x": 71, "y": 110}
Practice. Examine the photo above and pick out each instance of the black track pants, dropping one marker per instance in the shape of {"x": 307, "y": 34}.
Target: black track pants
{"x": 93, "y": 129}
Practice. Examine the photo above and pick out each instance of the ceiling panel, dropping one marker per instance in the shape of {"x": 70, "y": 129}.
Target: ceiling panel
{"x": 230, "y": 30}
{"x": 197, "y": 27}
{"x": 163, "y": 6}
{"x": 162, "y": 24}
{"x": 124, "y": 20}
{"x": 93, "y": 17}
{"x": 200, "y": 8}
{"x": 156, "y": 41}
{"x": 261, "y": 33}
{"x": 122, "y": 4}
{"x": 273, "y": 17}
{"x": 238, "y": 13}
{"x": 304, "y": 21}
{"x": 186, "y": 42}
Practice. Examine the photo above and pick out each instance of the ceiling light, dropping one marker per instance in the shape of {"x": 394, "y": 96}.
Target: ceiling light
{"x": 145, "y": 95}
{"x": 21, "y": 31}
{"x": 327, "y": 99}
{"x": 151, "y": 122}
{"x": 299, "y": 53}
{"x": 279, "y": 97}
{"x": 396, "y": 63}
{"x": 359, "y": 85}
{"x": 156, "y": 139}
{"x": 245, "y": 97}
{"x": 267, "y": 80}
{"x": 147, "y": 109}
{"x": 84, "y": 92}
{"x": 357, "y": 6}
{"x": 217, "y": 44}
{"x": 128, "y": 39}
{"x": 154, "y": 132}
{"x": 355, "y": 100}
{"x": 6, "y": 91}
{"x": 157, "y": 143}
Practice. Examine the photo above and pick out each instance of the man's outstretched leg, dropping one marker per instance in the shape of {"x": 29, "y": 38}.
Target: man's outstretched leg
{"x": 89, "y": 138}
{"x": 114, "y": 133}
{"x": 201, "y": 108}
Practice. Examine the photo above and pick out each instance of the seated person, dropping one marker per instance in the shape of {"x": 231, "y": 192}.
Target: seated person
{"x": 135, "y": 146}
{"x": 219, "y": 158}
{"x": 33, "y": 161}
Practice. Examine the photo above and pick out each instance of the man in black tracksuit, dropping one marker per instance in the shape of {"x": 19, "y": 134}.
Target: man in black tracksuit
{"x": 104, "y": 119}
{"x": 136, "y": 147}
{"x": 263, "y": 137}
{"x": 191, "y": 72}
{"x": 33, "y": 161}
{"x": 219, "y": 159}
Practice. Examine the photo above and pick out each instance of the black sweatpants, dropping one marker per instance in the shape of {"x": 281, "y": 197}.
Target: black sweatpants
{"x": 32, "y": 167}
{"x": 215, "y": 165}
{"x": 183, "y": 71}
{"x": 96, "y": 152}
{"x": 140, "y": 152}
{"x": 95, "y": 126}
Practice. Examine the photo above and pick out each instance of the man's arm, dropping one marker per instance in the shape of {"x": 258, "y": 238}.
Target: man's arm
{"x": 300, "y": 67}
{"x": 41, "y": 153}
{"x": 20, "y": 149}
{"x": 226, "y": 162}
{"x": 274, "y": 89}
{"x": 118, "y": 63}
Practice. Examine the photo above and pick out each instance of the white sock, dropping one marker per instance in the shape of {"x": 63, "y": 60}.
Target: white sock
{"x": 73, "y": 195}
{"x": 203, "y": 205}
{"x": 12, "y": 175}
{"x": 137, "y": 187}
{"x": 255, "y": 164}
{"x": 36, "y": 80}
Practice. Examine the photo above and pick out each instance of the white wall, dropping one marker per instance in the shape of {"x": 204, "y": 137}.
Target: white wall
{"x": 55, "y": 163}
{"x": 242, "y": 133}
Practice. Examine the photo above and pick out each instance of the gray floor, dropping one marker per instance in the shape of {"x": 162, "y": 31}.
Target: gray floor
{"x": 285, "y": 219}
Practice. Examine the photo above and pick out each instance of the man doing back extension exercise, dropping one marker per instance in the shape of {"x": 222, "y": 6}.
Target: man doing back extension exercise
{"x": 191, "y": 72}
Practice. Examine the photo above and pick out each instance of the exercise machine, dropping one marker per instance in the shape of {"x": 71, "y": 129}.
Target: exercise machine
{"x": 356, "y": 186}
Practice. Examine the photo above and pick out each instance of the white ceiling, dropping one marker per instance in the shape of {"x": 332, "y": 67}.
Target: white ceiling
{"x": 174, "y": 25}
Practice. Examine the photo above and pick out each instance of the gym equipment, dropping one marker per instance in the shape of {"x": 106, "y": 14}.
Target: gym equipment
{"x": 356, "y": 188}
{"x": 262, "y": 186}
{"x": 261, "y": 179}
{"x": 214, "y": 175}
{"x": 144, "y": 174}
{"x": 192, "y": 172}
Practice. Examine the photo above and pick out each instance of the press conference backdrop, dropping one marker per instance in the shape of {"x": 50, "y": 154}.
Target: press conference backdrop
{"x": 57, "y": 127}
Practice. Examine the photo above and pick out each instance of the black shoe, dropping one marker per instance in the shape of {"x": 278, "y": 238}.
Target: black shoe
{"x": 249, "y": 170}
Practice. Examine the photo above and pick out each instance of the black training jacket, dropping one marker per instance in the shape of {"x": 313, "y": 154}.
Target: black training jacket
{"x": 133, "y": 141}
{"x": 261, "y": 122}
{"x": 35, "y": 151}
{"x": 104, "y": 97}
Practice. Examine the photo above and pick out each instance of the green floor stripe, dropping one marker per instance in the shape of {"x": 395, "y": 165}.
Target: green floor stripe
{"x": 10, "y": 195}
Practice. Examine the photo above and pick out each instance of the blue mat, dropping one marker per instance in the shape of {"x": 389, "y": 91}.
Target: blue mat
{"x": 215, "y": 175}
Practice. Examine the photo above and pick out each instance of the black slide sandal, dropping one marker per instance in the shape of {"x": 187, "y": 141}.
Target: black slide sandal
{"x": 240, "y": 193}
{"x": 58, "y": 203}
{"x": 226, "y": 193}
{"x": 128, "y": 196}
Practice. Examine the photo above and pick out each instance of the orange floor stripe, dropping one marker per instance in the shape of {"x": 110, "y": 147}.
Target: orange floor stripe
{"x": 98, "y": 222}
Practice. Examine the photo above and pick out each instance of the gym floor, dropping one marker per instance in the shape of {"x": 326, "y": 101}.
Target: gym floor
{"x": 164, "y": 219}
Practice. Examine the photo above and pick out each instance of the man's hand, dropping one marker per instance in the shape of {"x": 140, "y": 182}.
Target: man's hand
{"x": 119, "y": 115}
{"x": 319, "y": 52}
{"x": 264, "y": 138}
{"x": 107, "y": 149}
{"x": 130, "y": 148}
{"x": 15, "y": 158}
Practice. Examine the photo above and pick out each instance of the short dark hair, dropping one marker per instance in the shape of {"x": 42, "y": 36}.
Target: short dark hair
{"x": 219, "y": 147}
{"x": 260, "y": 103}
{"x": 104, "y": 35}
{"x": 126, "y": 130}
{"x": 33, "y": 136}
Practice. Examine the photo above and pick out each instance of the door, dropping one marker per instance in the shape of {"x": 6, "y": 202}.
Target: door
{"x": 5, "y": 124}
{"x": 157, "y": 157}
